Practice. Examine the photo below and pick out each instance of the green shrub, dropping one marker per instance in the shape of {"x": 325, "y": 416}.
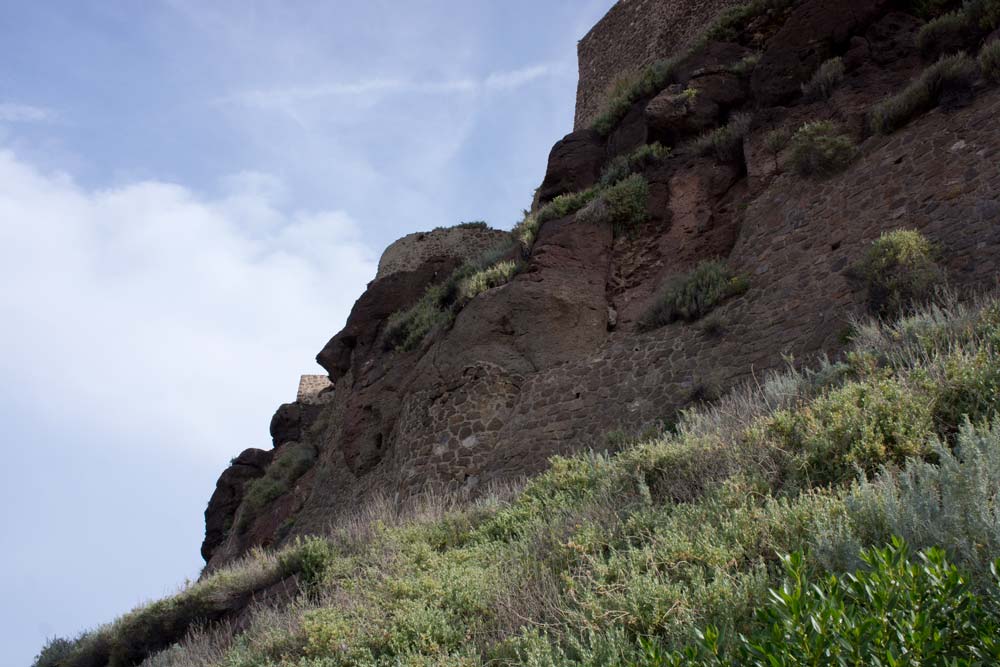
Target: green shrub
{"x": 945, "y": 29}
{"x": 899, "y": 271}
{"x": 858, "y": 427}
{"x": 496, "y": 275}
{"x": 927, "y": 9}
{"x": 747, "y": 65}
{"x": 693, "y": 295}
{"x": 623, "y": 166}
{"x": 820, "y": 148}
{"x": 924, "y": 93}
{"x": 825, "y": 80}
{"x": 54, "y": 653}
{"x": 897, "y": 610}
{"x": 733, "y": 20}
{"x": 291, "y": 462}
{"x": 726, "y": 142}
{"x": 629, "y": 90}
{"x": 989, "y": 61}
{"x": 952, "y": 502}
{"x": 623, "y": 205}
{"x": 984, "y": 14}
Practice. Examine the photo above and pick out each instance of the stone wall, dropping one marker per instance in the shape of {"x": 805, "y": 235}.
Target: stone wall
{"x": 633, "y": 34}
{"x": 310, "y": 387}
{"x": 796, "y": 243}
{"x": 409, "y": 252}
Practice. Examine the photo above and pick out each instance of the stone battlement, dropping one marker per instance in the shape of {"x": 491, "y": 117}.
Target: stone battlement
{"x": 310, "y": 387}
{"x": 632, "y": 35}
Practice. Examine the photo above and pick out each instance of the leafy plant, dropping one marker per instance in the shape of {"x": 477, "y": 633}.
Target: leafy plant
{"x": 989, "y": 60}
{"x": 825, "y": 80}
{"x": 726, "y": 142}
{"x": 820, "y": 148}
{"x": 623, "y": 166}
{"x": 693, "y": 295}
{"x": 924, "y": 93}
{"x": 899, "y": 270}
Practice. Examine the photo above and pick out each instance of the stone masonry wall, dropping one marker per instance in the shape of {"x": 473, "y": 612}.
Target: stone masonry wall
{"x": 409, "y": 252}
{"x": 633, "y": 34}
{"x": 939, "y": 176}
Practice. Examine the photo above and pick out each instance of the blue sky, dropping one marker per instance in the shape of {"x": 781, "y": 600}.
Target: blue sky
{"x": 192, "y": 195}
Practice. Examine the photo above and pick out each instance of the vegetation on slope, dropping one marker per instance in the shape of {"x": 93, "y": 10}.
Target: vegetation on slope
{"x": 664, "y": 553}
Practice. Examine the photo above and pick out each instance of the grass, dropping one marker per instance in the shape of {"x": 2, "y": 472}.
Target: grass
{"x": 989, "y": 61}
{"x": 820, "y": 148}
{"x": 441, "y": 302}
{"x": 769, "y": 515}
{"x": 292, "y": 461}
{"x": 726, "y": 143}
{"x": 899, "y": 271}
{"x": 623, "y": 166}
{"x": 825, "y": 80}
{"x": 622, "y": 205}
{"x": 924, "y": 93}
{"x": 693, "y": 295}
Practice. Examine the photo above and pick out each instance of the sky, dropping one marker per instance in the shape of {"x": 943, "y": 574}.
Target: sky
{"x": 192, "y": 195}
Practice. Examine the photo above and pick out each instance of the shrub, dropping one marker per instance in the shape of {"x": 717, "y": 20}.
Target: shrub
{"x": 733, "y": 20}
{"x": 948, "y": 74}
{"x": 858, "y": 427}
{"x": 899, "y": 271}
{"x": 693, "y": 295}
{"x": 726, "y": 142}
{"x": 747, "y": 65}
{"x": 474, "y": 224}
{"x": 54, "y": 653}
{"x": 623, "y": 166}
{"x": 952, "y": 502}
{"x": 821, "y": 149}
{"x": 499, "y": 274}
{"x": 989, "y": 61}
{"x": 894, "y": 609}
{"x": 984, "y": 14}
{"x": 625, "y": 203}
{"x": 630, "y": 90}
{"x": 291, "y": 462}
{"x": 946, "y": 29}
{"x": 823, "y": 82}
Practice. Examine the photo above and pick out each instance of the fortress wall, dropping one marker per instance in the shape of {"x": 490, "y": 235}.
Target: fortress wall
{"x": 633, "y": 34}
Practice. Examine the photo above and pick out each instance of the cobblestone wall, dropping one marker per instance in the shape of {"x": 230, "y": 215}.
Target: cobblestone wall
{"x": 633, "y": 34}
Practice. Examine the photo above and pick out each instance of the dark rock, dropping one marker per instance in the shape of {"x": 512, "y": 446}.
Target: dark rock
{"x": 383, "y": 297}
{"x": 893, "y": 38}
{"x": 228, "y": 495}
{"x": 676, "y": 113}
{"x": 858, "y": 53}
{"x": 574, "y": 164}
{"x": 290, "y": 420}
{"x": 811, "y": 35}
{"x": 715, "y": 57}
{"x": 630, "y": 133}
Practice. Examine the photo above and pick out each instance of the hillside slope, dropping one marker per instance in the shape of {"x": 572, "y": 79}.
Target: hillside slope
{"x": 735, "y": 211}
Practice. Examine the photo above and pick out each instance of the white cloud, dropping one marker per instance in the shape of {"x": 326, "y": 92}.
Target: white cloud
{"x": 150, "y": 312}
{"x": 287, "y": 97}
{"x": 24, "y": 113}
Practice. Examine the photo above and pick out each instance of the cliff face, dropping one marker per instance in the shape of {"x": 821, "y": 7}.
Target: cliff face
{"x": 556, "y": 359}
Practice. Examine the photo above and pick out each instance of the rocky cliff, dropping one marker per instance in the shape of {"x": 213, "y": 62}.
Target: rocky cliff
{"x": 777, "y": 143}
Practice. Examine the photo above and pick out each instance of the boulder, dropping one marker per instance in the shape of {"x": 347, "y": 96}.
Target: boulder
{"x": 228, "y": 495}
{"x": 290, "y": 421}
{"x": 383, "y": 297}
{"x": 574, "y": 164}
{"x": 678, "y": 112}
{"x": 811, "y": 35}
{"x": 630, "y": 133}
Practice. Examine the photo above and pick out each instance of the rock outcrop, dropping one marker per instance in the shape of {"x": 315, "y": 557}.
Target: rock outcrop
{"x": 555, "y": 358}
